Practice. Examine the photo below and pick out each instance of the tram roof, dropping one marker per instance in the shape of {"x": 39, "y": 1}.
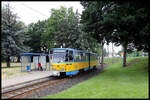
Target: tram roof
{"x": 30, "y": 54}
{"x": 63, "y": 49}
{"x": 67, "y": 49}
{"x": 73, "y": 49}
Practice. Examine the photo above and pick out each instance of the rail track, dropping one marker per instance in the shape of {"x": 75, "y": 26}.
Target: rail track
{"x": 37, "y": 86}
{"x": 20, "y": 92}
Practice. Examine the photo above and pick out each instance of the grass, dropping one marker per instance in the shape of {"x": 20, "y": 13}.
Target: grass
{"x": 11, "y": 72}
{"x": 111, "y": 60}
{"x": 11, "y": 64}
{"x": 114, "y": 82}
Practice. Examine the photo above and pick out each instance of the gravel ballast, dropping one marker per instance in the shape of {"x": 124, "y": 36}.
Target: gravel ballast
{"x": 65, "y": 85}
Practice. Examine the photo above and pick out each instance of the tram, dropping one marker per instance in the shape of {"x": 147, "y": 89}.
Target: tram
{"x": 68, "y": 62}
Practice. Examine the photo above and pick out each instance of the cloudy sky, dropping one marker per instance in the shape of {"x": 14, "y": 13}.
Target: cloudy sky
{"x": 33, "y": 11}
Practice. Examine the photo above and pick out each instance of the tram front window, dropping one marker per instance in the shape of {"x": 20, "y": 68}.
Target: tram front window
{"x": 59, "y": 57}
{"x": 69, "y": 56}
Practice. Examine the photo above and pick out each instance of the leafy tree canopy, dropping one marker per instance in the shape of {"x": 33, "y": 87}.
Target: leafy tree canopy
{"x": 13, "y": 34}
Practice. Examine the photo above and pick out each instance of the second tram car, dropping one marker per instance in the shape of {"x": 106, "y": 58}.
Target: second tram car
{"x": 67, "y": 61}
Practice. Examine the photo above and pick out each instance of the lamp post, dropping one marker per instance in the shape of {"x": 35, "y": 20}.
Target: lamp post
{"x": 41, "y": 48}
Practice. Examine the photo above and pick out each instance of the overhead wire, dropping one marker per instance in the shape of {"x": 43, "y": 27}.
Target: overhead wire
{"x": 34, "y": 10}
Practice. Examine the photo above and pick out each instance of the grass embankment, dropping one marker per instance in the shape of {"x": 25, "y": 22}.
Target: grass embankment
{"x": 11, "y": 72}
{"x": 114, "y": 82}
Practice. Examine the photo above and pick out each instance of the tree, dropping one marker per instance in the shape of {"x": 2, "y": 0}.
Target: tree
{"x": 92, "y": 18}
{"x": 64, "y": 25}
{"x": 37, "y": 33}
{"x": 13, "y": 35}
{"x": 122, "y": 23}
{"x": 127, "y": 21}
{"x": 61, "y": 29}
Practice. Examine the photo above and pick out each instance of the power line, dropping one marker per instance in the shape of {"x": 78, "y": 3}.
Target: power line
{"x": 34, "y": 10}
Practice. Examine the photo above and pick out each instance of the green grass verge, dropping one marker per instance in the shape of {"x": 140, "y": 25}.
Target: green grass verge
{"x": 111, "y": 60}
{"x": 114, "y": 82}
{"x": 11, "y": 72}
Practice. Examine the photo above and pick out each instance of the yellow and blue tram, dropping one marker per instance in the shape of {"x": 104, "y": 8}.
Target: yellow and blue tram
{"x": 67, "y": 61}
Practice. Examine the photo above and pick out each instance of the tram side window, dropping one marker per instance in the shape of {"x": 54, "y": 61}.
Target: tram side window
{"x": 86, "y": 56}
{"x": 76, "y": 56}
{"x": 80, "y": 56}
{"x": 92, "y": 57}
{"x": 95, "y": 57}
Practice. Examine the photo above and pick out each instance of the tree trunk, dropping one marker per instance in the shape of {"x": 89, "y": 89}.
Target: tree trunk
{"x": 99, "y": 59}
{"x": 108, "y": 50}
{"x": 8, "y": 61}
{"x": 102, "y": 60}
{"x": 18, "y": 58}
{"x": 112, "y": 53}
{"x": 124, "y": 56}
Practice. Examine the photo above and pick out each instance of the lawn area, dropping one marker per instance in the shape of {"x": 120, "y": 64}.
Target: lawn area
{"x": 114, "y": 82}
{"x": 111, "y": 60}
{"x": 13, "y": 71}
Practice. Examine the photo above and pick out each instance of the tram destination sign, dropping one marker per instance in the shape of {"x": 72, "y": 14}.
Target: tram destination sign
{"x": 59, "y": 51}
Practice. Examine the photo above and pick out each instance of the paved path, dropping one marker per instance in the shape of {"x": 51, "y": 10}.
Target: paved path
{"x": 21, "y": 79}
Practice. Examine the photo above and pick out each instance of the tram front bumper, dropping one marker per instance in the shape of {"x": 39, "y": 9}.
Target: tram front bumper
{"x": 55, "y": 73}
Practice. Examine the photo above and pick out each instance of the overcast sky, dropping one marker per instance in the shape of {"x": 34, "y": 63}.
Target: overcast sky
{"x": 33, "y": 11}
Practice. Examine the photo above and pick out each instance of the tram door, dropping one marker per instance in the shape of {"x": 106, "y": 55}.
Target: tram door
{"x": 69, "y": 57}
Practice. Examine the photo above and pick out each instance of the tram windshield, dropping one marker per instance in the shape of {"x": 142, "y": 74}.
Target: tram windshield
{"x": 59, "y": 56}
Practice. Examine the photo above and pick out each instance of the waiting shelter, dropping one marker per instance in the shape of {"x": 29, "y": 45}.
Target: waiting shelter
{"x": 37, "y": 58}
